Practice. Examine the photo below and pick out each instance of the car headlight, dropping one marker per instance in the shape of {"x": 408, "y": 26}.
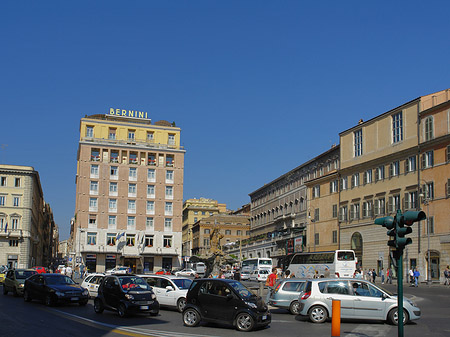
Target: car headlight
{"x": 85, "y": 292}
{"x": 411, "y": 302}
{"x": 130, "y": 297}
{"x": 21, "y": 285}
{"x": 59, "y": 294}
{"x": 251, "y": 305}
{"x": 153, "y": 297}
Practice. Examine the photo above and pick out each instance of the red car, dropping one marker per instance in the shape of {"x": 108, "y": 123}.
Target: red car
{"x": 163, "y": 272}
{"x": 41, "y": 270}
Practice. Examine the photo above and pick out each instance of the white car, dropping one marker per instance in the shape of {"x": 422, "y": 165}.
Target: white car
{"x": 117, "y": 270}
{"x": 91, "y": 283}
{"x": 170, "y": 290}
{"x": 186, "y": 272}
{"x": 259, "y": 275}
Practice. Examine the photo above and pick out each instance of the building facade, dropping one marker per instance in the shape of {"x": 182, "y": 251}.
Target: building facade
{"x": 129, "y": 193}
{"x": 26, "y": 221}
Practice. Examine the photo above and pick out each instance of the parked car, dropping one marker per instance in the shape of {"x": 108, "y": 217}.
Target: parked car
{"x": 126, "y": 294}
{"x": 53, "y": 289}
{"x": 186, "y": 272}
{"x": 285, "y": 294}
{"x": 169, "y": 290}
{"x": 3, "y": 270}
{"x": 224, "y": 301}
{"x": 15, "y": 279}
{"x": 41, "y": 270}
{"x": 360, "y": 299}
{"x": 118, "y": 270}
{"x": 245, "y": 275}
{"x": 92, "y": 282}
{"x": 163, "y": 271}
{"x": 259, "y": 275}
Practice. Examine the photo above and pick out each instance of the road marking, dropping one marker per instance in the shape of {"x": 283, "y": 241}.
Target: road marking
{"x": 369, "y": 330}
{"x": 125, "y": 330}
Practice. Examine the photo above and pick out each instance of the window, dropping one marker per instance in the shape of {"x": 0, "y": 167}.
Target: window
{"x": 17, "y": 182}
{"x": 335, "y": 211}
{"x": 394, "y": 203}
{"x": 112, "y": 188}
{"x": 428, "y": 190}
{"x": 16, "y": 201}
{"x": 2, "y": 200}
{"x": 379, "y": 206}
{"x": 114, "y": 172}
{"x": 150, "y": 207}
{"x": 92, "y": 221}
{"x": 344, "y": 183}
{"x": 355, "y": 180}
{"x": 316, "y": 239}
{"x": 334, "y": 186}
{"x": 379, "y": 173}
{"x": 94, "y": 171}
{"x": 195, "y": 219}
{"x": 358, "y": 143}
{"x": 90, "y": 131}
{"x": 149, "y": 240}
{"x": 367, "y": 177}
{"x": 394, "y": 169}
{"x": 397, "y": 127}
{"x": 112, "y": 133}
{"x": 448, "y": 153}
{"x": 171, "y": 139}
{"x": 316, "y": 214}
{"x": 150, "y": 135}
{"x": 93, "y": 188}
{"x": 132, "y": 174}
{"x": 430, "y": 225}
{"x": 131, "y": 222}
{"x": 316, "y": 191}
{"x": 410, "y": 164}
{"x": 367, "y": 209}
{"x": 427, "y": 159}
{"x": 167, "y": 224}
{"x": 227, "y": 232}
{"x": 169, "y": 192}
{"x": 131, "y": 206}
{"x": 112, "y": 222}
{"x": 410, "y": 200}
{"x": 206, "y": 231}
{"x": 14, "y": 243}
{"x": 14, "y": 223}
{"x": 169, "y": 176}
{"x": 151, "y": 175}
{"x": 354, "y": 212}
{"x": 429, "y": 134}
{"x": 91, "y": 238}
{"x": 113, "y": 205}
{"x": 93, "y": 204}
{"x": 239, "y": 232}
{"x": 131, "y": 135}
{"x": 149, "y": 224}
{"x": 2, "y": 181}
{"x": 334, "y": 237}
{"x": 206, "y": 242}
{"x": 343, "y": 211}
{"x": 130, "y": 240}
{"x": 111, "y": 239}
{"x": 131, "y": 190}
{"x": 168, "y": 209}
{"x": 167, "y": 241}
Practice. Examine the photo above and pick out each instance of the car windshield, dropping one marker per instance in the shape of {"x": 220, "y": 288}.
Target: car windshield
{"x": 182, "y": 284}
{"x": 242, "y": 290}
{"x": 59, "y": 280}
{"x": 133, "y": 283}
{"x": 23, "y": 274}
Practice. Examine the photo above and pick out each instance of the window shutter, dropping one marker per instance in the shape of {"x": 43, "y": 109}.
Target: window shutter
{"x": 376, "y": 207}
{"x": 391, "y": 170}
{"x": 423, "y": 160}
{"x": 406, "y": 202}
{"x": 447, "y": 186}
{"x": 377, "y": 176}
{"x": 331, "y": 187}
{"x": 448, "y": 153}
{"x": 432, "y": 158}
{"x": 390, "y": 205}
{"x": 364, "y": 178}
{"x": 406, "y": 166}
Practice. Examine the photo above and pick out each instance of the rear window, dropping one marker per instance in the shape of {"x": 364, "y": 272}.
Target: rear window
{"x": 292, "y": 286}
{"x": 309, "y": 285}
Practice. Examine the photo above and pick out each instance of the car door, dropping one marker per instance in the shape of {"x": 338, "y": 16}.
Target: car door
{"x": 164, "y": 295}
{"x": 9, "y": 280}
{"x": 369, "y": 302}
{"x": 94, "y": 284}
{"x": 111, "y": 292}
{"x": 218, "y": 301}
{"x": 339, "y": 290}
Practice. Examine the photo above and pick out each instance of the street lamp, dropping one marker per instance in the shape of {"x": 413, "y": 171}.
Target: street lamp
{"x": 426, "y": 201}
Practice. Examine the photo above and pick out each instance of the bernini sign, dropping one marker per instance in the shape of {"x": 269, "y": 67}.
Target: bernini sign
{"x": 128, "y": 113}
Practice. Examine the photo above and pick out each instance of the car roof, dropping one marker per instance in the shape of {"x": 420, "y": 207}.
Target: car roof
{"x": 171, "y": 277}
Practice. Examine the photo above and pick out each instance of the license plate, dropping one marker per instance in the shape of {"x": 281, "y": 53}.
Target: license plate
{"x": 264, "y": 317}
{"x": 144, "y": 307}
{"x": 74, "y": 298}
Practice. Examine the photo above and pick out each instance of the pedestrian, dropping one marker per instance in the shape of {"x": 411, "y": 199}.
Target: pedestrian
{"x": 326, "y": 273}
{"x": 447, "y": 276}
{"x": 382, "y": 275}
{"x": 374, "y": 275}
{"x": 416, "y": 277}
{"x": 63, "y": 270}
{"x": 271, "y": 279}
{"x": 287, "y": 273}
{"x": 196, "y": 276}
{"x": 237, "y": 275}
{"x": 82, "y": 270}
{"x": 389, "y": 276}
{"x": 369, "y": 275}
{"x": 411, "y": 276}
{"x": 69, "y": 271}
{"x": 316, "y": 274}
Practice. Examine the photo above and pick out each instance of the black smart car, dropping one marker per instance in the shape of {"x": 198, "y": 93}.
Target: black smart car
{"x": 53, "y": 289}
{"x": 125, "y": 294}
{"x": 224, "y": 301}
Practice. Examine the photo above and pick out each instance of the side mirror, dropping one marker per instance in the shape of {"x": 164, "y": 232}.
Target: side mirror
{"x": 169, "y": 288}
{"x": 229, "y": 297}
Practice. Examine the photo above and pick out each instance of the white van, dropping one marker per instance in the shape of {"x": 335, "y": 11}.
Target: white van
{"x": 199, "y": 267}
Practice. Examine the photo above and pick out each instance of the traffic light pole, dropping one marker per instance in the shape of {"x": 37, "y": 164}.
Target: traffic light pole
{"x": 400, "y": 294}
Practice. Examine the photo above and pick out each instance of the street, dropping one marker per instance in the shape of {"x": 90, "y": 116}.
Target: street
{"x": 18, "y": 318}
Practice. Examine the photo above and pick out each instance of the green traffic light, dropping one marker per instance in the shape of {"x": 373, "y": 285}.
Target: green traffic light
{"x": 386, "y": 221}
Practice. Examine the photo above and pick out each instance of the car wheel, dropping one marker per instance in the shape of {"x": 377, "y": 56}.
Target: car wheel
{"x": 48, "y": 301}
{"x": 5, "y": 292}
{"x": 294, "y": 308}
{"x": 181, "y": 303}
{"x": 122, "y": 310}
{"x": 26, "y": 296}
{"x": 393, "y": 316}
{"x": 191, "y": 317}
{"x": 244, "y": 322}
{"x": 318, "y": 314}
{"x": 98, "y": 306}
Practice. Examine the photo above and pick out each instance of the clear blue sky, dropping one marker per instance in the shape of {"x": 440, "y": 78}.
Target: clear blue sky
{"x": 257, "y": 87}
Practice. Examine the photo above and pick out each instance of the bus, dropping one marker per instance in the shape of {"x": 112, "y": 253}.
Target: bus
{"x": 252, "y": 264}
{"x": 340, "y": 263}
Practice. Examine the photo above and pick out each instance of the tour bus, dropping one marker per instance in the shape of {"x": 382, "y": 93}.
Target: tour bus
{"x": 252, "y": 264}
{"x": 340, "y": 263}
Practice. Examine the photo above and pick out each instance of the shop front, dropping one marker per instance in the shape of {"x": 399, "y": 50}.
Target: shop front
{"x": 91, "y": 263}
{"x": 110, "y": 261}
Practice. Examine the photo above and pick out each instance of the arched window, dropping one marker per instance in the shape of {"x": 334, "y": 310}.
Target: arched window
{"x": 429, "y": 132}
{"x": 357, "y": 246}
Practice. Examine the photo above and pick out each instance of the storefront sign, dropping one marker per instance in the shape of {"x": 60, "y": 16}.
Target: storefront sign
{"x": 91, "y": 256}
{"x": 128, "y": 113}
{"x": 110, "y": 257}
{"x": 290, "y": 246}
{"x": 298, "y": 244}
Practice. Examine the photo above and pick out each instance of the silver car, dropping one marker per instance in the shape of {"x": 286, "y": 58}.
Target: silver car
{"x": 285, "y": 294}
{"x": 359, "y": 299}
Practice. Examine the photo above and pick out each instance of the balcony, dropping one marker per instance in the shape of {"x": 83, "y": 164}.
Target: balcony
{"x": 95, "y": 158}
{"x": 169, "y": 163}
{"x": 138, "y": 143}
{"x": 151, "y": 162}
{"x": 114, "y": 160}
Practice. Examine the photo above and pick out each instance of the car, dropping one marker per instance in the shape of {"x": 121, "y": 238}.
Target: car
{"x": 126, "y": 294}
{"x": 186, "y": 272}
{"x": 91, "y": 282}
{"x": 259, "y": 275}
{"x": 224, "y": 301}
{"x": 163, "y": 271}
{"x": 41, "y": 270}
{"x": 15, "y": 279}
{"x": 53, "y": 289}
{"x": 170, "y": 290}
{"x": 118, "y": 270}
{"x": 285, "y": 294}
{"x": 3, "y": 271}
{"x": 360, "y": 299}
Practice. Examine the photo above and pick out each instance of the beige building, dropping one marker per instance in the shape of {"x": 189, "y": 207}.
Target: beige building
{"x": 26, "y": 221}
{"x": 129, "y": 193}
{"x": 193, "y": 211}
{"x": 381, "y": 166}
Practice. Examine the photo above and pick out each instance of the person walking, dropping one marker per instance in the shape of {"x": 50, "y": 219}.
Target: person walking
{"x": 272, "y": 278}
{"x": 389, "y": 276}
{"x": 382, "y": 275}
{"x": 416, "y": 277}
{"x": 374, "y": 275}
{"x": 447, "y": 276}
{"x": 411, "y": 276}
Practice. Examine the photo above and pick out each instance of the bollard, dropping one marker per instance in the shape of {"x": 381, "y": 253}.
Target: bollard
{"x": 336, "y": 319}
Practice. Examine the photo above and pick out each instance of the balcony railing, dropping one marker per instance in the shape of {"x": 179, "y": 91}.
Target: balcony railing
{"x": 137, "y": 143}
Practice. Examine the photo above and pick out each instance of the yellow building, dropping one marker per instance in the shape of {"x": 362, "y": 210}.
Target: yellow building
{"x": 129, "y": 192}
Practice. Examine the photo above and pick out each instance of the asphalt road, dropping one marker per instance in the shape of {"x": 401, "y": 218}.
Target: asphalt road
{"x": 18, "y": 318}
